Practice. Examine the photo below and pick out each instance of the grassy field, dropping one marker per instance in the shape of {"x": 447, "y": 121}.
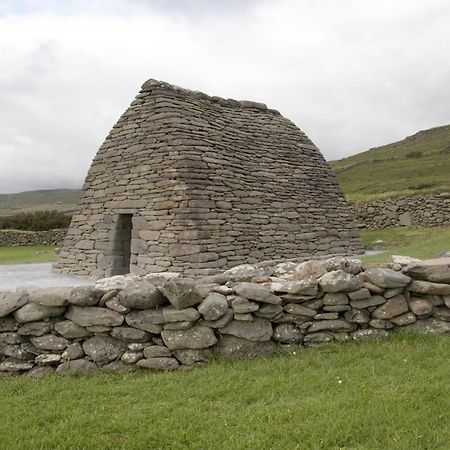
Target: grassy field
{"x": 389, "y": 394}
{"x": 415, "y": 165}
{"x": 417, "y": 242}
{"x": 31, "y": 254}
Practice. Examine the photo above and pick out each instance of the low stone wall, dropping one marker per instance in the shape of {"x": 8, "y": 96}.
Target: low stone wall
{"x": 166, "y": 322}
{"x": 426, "y": 210}
{"x": 16, "y": 238}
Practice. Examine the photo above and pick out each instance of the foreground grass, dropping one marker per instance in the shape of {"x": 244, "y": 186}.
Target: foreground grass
{"x": 390, "y": 394}
{"x": 417, "y": 242}
{"x": 31, "y": 254}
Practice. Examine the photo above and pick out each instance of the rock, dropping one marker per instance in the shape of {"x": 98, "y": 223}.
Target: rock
{"x": 73, "y": 351}
{"x": 335, "y": 299}
{"x": 256, "y": 292}
{"x": 71, "y": 330}
{"x": 357, "y": 316}
{"x": 157, "y": 351}
{"x": 332, "y": 325}
{"x": 171, "y": 314}
{"x": 32, "y": 312}
{"x": 339, "y": 281}
{"x": 341, "y": 337}
{"x": 88, "y": 316}
{"x": 381, "y": 324}
{"x": 130, "y": 334}
{"x": 299, "y": 271}
{"x": 141, "y": 295}
{"x": 241, "y": 305}
{"x": 117, "y": 282}
{"x": 235, "y": 347}
{"x": 442, "y": 313}
{"x": 313, "y": 304}
{"x": 317, "y": 339}
{"x": 195, "y": 338}
{"x": 431, "y": 325}
{"x": 50, "y": 296}
{"x": 50, "y": 342}
{"x": 178, "y": 325}
{"x": 373, "y": 288}
{"x": 16, "y": 351}
{"x": 337, "y": 308}
{"x": 148, "y": 320}
{"x": 107, "y": 296}
{"x": 393, "y": 307}
{"x": 299, "y": 310}
{"x": 47, "y": 359}
{"x": 35, "y": 328}
{"x": 15, "y": 365}
{"x": 435, "y": 270}
{"x": 131, "y": 357}
{"x": 404, "y": 319}
{"x": 159, "y": 363}
{"x": 295, "y": 298}
{"x": 389, "y": 293}
{"x": 189, "y": 357}
{"x": 244, "y": 272}
{"x": 224, "y": 320}
{"x": 118, "y": 366}
{"x": 386, "y": 278}
{"x": 258, "y": 330}
{"x": 39, "y": 372}
{"x": 8, "y": 324}
{"x": 181, "y": 292}
{"x": 247, "y": 317}
{"x": 327, "y": 316}
{"x": 307, "y": 286}
{"x": 10, "y": 301}
{"x": 213, "y": 307}
{"x": 374, "y": 300}
{"x": 446, "y": 302}
{"x": 268, "y": 311}
{"x": 420, "y": 307}
{"x": 360, "y": 294}
{"x": 137, "y": 346}
{"x": 115, "y": 305}
{"x": 427, "y": 287}
{"x": 369, "y": 334}
{"x": 287, "y": 333}
{"x": 84, "y": 296}
{"x": 76, "y": 367}
{"x": 9, "y": 338}
{"x": 403, "y": 260}
{"x": 103, "y": 349}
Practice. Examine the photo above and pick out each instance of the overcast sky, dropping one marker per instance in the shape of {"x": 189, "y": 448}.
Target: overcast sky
{"x": 352, "y": 74}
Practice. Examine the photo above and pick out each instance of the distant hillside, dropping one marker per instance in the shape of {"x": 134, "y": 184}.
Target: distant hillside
{"x": 417, "y": 164}
{"x": 64, "y": 200}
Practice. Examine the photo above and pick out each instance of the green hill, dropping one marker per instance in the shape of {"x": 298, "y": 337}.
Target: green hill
{"x": 417, "y": 164}
{"x": 64, "y": 200}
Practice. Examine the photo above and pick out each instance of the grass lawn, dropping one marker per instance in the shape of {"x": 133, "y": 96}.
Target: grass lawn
{"x": 389, "y": 394}
{"x": 31, "y": 254}
{"x": 417, "y": 242}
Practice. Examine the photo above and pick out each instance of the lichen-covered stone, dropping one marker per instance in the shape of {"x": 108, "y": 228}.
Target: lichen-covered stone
{"x": 258, "y": 330}
{"x": 87, "y": 316}
{"x": 103, "y": 349}
{"x": 195, "y": 338}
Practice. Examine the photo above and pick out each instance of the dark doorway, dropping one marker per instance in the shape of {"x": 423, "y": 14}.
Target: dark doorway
{"x": 122, "y": 245}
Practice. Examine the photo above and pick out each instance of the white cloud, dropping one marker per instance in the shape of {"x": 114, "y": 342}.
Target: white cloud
{"x": 352, "y": 74}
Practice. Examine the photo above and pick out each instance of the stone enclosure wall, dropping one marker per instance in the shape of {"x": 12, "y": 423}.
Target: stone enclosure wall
{"x": 166, "y": 321}
{"x": 14, "y": 238}
{"x": 426, "y": 210}
{"x": 208, "y": 183}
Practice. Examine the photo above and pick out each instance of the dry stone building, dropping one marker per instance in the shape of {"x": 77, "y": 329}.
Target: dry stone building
{"x": 192, "y": 183}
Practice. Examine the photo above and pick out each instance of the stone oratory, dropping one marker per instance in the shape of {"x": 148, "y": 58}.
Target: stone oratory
{"x": 186, "y": 182}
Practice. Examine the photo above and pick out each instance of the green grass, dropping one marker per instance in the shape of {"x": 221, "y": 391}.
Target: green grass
{"x": 30, "y": 254}
{"x": 393, "y": 395}
{"x": 417, "y": 242}
{"x": 390, "y": 171}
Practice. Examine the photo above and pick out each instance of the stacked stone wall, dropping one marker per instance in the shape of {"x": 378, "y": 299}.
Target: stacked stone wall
{"x": 424, "y": 210}
{"x": 167, "y": 321}
{"x": 15, "y": 238}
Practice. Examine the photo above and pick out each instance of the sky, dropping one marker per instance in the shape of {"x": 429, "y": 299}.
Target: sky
{"x": 352, "y": 74}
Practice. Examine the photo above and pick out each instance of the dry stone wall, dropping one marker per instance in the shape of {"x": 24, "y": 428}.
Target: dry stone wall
{"x": 425, "y": 210}
{"x": 13, "y": 238}
{"x": 167, "y": 321}
{"x": 210, "y": 183}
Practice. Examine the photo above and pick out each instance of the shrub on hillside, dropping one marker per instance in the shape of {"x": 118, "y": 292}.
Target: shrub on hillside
{"x": 36, "y": 221}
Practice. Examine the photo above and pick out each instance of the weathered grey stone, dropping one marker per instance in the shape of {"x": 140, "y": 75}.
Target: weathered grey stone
{"x": 115, "y": 305}
{"x": 374, "y": 300}
{"x": 131, "y": 357}
{"x": 258, "y": 330}
{"x": 268, "y": 311}
{"x": 148, "y": 320}
{"x": 369, "y": 334}
{"x": 213, "y": 307}
{"x": 185, "y": 325}
{"x": 32, "y": 312}
{"x": 427, "y": 287}
{"x": 50, "y": 296}
{"x": 50, "y": 342}
{"x": 171, "y": 314}
{"x": 241, "y": 305}
{"x": 404, "y": 319}
{"x": 299, "y": 310}
{"x": 287, "y": 333}
{"x": 339, "y": 281}
{"x": 350, "y": 265}
{"x": 436, "y": 270}
{"x": 244, "y": 272}
{"x": 73, "y": 351}
{"x": 47, "y": 359}
{"x": 103, "y": 349}
{"x": 11, "y": 301}
{"x": 16, "y": 351}
{"x": 334, "y": 299}
{"x": 195, "y": 338}
{"x": 15, "y": 365}
{"x": 130, "y": 334}
{"x": 9, "y": 338}
{"x": 393, "y": 307}
{"x": 8, "y": 324}
{"x": 159, "y": 363}
{"x": 306, "y": 286}
{"x": 224, "y": 320}
{"x": 332, "y": 325}
{"x": 381, "y": 324}
{"x": 35, "y": 328}
{"x": 421, "y": 307}
{"x": 337, "y": 308}
{"x": 389, "y": 293}
{"x": 442, "y": 313}
{"x": 360, "y": 294}
{"x": 141, "y": 295}
{"x": 431, "y": 325}
{"x": 39, "y": 372}
{"x": 299, "y": 271}
{"x": 357, "y": 316}
{"x": 189, "y": 357}
{"x": 88, "y": 316}
{"x": 181, "y": 292}
{"x": 107, "y": 296}
{"x": 157, "y": 351}
{"x": 256, "y": 292}
{"x": 246, "y": 317}
{"x": 76, "y": 367}
{"x": 235, "y": 347}
{"x": 326, "y": 316}
{"x": 317, "y": 339}
{"x": 71, "y": 330}
{"x": 84, "y": 296}
{"x": 386, "y": 278}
